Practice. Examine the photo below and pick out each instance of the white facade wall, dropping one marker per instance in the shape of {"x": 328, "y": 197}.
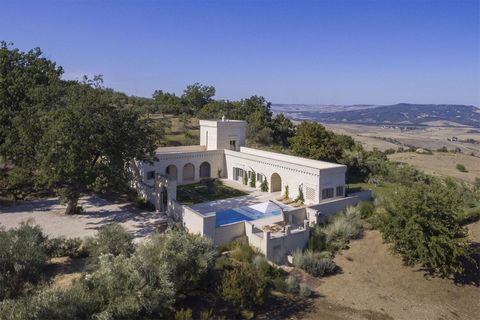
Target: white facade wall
{"x": 215, "y": 158}
{"x": 216, "y": 135}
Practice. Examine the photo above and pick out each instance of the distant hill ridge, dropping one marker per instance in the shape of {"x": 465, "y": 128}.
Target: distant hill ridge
{"x": 401, "y": 113}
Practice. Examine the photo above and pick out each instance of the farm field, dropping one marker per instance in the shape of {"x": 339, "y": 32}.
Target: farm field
{"x": 431, "y": 137}
{"x": 441, "y": 164}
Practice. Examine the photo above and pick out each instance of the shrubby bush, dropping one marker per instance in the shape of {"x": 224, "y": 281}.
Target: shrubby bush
{"x": 292, "y": 284}
{"x": 366, "y": 208}
{"x": 111, "y": 239}
{"x": 304, "y": 290}
{"x": 190, "y": 257}
{"x": 342, "y": 227}
{"x": 22, "y": 258}
{"x": 421, "y": 223}
{"x": 142, "y": 284}
{"x": 315, "y": 263}
{"x": 244, "y": 286}
{"x": 61, "y": 247}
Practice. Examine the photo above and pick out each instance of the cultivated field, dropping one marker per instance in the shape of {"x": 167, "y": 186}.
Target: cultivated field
{"x": 442, "y": 164}
{"x": 433, "y": 137}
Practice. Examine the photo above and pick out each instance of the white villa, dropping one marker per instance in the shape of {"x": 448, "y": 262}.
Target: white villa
{"x": 274, "y": 228}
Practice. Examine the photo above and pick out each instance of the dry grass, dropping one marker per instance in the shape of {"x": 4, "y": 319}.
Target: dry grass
{"x": 434, "y": 137}
{"x": 64, "y": 270}
{"x": 442, "y": 164}
{"x": 379, "y": 286}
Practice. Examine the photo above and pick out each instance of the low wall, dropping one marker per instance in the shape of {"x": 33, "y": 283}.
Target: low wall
{"x": 196, "y": 222}
{"x": 229, "y": 232}
{"x": 276, "y": 249}
{"x": 296, "y": 216}
{"x": 326, "y": 209}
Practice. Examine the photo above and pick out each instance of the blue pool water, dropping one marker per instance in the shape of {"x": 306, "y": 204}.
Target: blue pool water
{"x": 246, "y": 213}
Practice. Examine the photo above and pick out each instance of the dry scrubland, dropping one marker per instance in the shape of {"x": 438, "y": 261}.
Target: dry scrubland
{"x": 374, "y": 284}
{"x": 428, "y": 137}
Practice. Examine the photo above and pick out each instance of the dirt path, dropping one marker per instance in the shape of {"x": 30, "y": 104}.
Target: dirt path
{"x": 378, "y": 286}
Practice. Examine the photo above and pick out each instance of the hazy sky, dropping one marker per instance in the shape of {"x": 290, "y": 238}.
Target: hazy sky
{"x": 330, "y": 52}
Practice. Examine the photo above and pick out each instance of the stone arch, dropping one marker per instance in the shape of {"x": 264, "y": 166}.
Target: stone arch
{"x": 275, "y": 183}
{"x": 188, "y": 173}
{"x": 171, "y": 171}
{"x": 205, "y": 170}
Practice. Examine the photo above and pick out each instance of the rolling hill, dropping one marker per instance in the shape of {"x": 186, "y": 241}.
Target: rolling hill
{"x": 401, "y": 114}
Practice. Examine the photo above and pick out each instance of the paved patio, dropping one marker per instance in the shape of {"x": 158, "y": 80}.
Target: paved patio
{"x": 48, "y": 213}
{"x": 254, "y": 196}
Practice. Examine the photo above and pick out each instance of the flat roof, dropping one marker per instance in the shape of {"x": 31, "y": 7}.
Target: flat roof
{"x": 292, "y": 159}
{"x": 180, "y": 149}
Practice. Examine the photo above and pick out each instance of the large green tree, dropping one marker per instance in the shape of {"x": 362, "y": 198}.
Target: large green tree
{"x": 30, "y": 87}
{"x": 314, "y": 141}
{"x": 88, "y": 144}
{"x": 421, "y": 224}
{"x": 196, "y": 96}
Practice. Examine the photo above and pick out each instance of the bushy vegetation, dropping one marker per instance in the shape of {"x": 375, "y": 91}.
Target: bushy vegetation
{"x": 112, "y": 239}
{"x": 124, "y": 283}
{"x": 22, "y": 258}
{"x": 244, "y": 286}
{"x": 61, "y": 247}
{"x": 421, "y": 223}
{"x": 342, "y": 227}
{"x": 460, "y": 167}
{"x": 318, "y": 264}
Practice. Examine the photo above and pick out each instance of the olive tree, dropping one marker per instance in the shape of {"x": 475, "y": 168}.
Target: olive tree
{"x": 88, "y": 144}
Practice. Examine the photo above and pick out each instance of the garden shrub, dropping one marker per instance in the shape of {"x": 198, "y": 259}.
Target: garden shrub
{"x": 460, "y": 167}
{"x": 366, "y": 208}
{"x": 264, "y": 186}
{"x": 61, "y": 247}
{"x": 304, "y": 290}
{"x": 279, "y": 284}
{"x": 292, "y": 284}
{"x": 242, "y": 252}
{"x": 244, "y": 286}
{"x": 317, "y": 240}
{"x": 315, "y": 263}
{"x": 184, "y": 314}
{"x": 111, "y": 239}
{"x": 343, "y": 227}
{"x": 22, "y": 258}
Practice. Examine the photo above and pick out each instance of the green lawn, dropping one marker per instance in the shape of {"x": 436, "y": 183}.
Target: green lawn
{"x": 378, "y": 191}
{"x": 198, "y": 192}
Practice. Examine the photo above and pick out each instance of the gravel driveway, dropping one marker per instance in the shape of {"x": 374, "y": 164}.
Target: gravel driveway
{"x": 48, "y": 213}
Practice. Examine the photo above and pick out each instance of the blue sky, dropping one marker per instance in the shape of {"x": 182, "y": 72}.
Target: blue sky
{"x": 328, "y": 52}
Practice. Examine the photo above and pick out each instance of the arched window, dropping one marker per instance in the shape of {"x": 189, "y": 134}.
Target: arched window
{"x": 171, "y": 171}
{"x": 205, "y": 170}
{"x": 188, "y": 173}
{"x": 275, "y": 183}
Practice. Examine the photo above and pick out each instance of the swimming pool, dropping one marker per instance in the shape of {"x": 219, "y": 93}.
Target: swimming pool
{"x": 247, "y": 213}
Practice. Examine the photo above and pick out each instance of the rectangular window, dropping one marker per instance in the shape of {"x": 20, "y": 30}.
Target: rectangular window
{"x": 327, "y": 193}
{"x": 340, "y": 191}
{"x": 233, "y": 145}
{"x": 150, "y": 175}
{"x": 260, "y": 177}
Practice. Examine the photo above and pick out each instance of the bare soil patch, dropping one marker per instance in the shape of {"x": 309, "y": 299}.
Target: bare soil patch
{"x": 376, "y": 285}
